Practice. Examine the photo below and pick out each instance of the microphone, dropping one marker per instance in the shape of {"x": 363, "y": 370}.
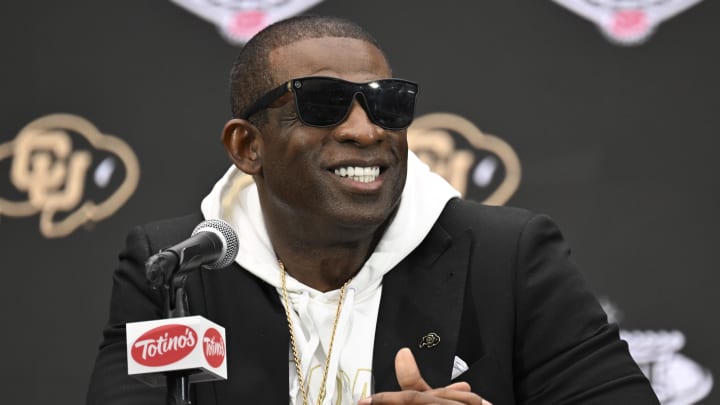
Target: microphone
{"x": 170, "y": 351}
{"x": 212, "y": 245}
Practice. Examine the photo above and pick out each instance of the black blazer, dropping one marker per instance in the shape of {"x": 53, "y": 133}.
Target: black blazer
{"x": 495, "y": 283}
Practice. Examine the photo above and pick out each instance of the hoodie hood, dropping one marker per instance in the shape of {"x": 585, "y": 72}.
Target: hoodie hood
{"x": 234, "y": 199}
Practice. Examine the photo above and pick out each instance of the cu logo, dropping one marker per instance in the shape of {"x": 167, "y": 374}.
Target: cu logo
{"x": 62, "y": 168}
{"x": 480, "y": 166}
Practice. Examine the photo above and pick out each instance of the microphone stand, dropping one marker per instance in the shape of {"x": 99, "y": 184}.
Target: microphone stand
{"x": 161, "y": 270}
{"x": 176, "y": 306}
{"x": 166, "y": 269}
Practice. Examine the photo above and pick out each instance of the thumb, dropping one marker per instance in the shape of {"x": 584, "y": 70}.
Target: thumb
{"x": 408, "y": 374}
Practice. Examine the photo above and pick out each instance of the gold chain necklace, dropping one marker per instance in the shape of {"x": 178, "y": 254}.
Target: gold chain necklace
{"x": 296, "y": 358}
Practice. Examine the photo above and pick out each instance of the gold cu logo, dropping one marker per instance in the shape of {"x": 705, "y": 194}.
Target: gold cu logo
{"x": 482, "y": 167}
{"x": 53, "y": 175}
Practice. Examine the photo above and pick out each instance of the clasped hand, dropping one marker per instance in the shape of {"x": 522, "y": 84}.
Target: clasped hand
{"x": 415, "y": 391}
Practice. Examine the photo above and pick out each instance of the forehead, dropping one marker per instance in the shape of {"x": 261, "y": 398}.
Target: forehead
{"x": 347, "y": 58}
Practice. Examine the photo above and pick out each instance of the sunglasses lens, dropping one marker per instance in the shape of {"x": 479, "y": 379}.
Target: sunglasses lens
{"x": 325, "y": 102}
{"x": 391, "y": 103}
{"x": 322, "y": 102}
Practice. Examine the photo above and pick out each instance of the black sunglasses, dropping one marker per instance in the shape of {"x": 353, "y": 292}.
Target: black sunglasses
{"x": 326, "y": 101}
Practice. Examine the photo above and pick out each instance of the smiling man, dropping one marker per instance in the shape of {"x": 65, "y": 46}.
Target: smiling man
{"x": 362, "y": 277}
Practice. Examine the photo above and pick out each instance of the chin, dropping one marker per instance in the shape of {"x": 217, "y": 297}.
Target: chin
{"x": 364, "y": 217}
{"x": 363, "y": 221}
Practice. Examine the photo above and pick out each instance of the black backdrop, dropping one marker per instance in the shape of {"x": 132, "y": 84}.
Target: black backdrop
{"x": 617, "y": 144}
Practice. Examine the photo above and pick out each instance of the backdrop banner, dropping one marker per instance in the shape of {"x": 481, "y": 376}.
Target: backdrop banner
{"x": 111, "y": 116}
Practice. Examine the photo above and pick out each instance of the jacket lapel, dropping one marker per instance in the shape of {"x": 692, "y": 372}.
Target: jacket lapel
{"x": 421, "y": 308}
{"x": 257, "y": 338}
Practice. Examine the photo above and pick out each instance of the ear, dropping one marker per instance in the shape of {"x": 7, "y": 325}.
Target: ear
{"x": 243, "y": 143}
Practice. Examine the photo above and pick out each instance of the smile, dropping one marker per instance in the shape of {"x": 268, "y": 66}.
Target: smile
{"x": 360, "y": 174}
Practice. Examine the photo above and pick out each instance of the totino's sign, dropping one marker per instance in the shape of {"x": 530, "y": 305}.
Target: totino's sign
{"x": 190, "y": 343}
{"x": 164, "y": 345}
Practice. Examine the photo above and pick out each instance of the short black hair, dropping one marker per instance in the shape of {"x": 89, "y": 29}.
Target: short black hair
{"x": 251, "y": 75}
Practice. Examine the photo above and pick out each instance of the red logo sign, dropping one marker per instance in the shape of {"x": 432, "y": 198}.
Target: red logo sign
{"x": 628, "y": 22}
{"x": 214, "y": 347}
{"x": 164, "y": 345}
{"x": 239, "y": 20}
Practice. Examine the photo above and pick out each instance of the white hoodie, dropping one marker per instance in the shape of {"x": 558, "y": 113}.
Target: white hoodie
{"x": 234, "y": 198}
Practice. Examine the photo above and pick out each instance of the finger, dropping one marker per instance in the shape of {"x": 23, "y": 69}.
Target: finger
{"x": 465, "y": 387}
{"x": 408, "y": 374}
{"x": 465, "y": 397}
{"x": 459, "y": 386}
{"x": 409, "y": 398}
{"x": 439, "y": 397}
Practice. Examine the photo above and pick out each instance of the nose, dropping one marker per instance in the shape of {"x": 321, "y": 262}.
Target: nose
{"x": 358, "y": 129}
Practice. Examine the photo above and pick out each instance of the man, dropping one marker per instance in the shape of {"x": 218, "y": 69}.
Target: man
{"x": 361, "y": 277}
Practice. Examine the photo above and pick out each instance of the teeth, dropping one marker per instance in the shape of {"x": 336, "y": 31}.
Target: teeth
{"x": 360, "y": 174}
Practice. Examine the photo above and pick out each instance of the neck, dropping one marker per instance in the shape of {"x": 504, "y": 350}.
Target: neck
{"x": 321, "y": 250}
{"x": 325, "y": 257}
{"x": 323, "y": 268}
